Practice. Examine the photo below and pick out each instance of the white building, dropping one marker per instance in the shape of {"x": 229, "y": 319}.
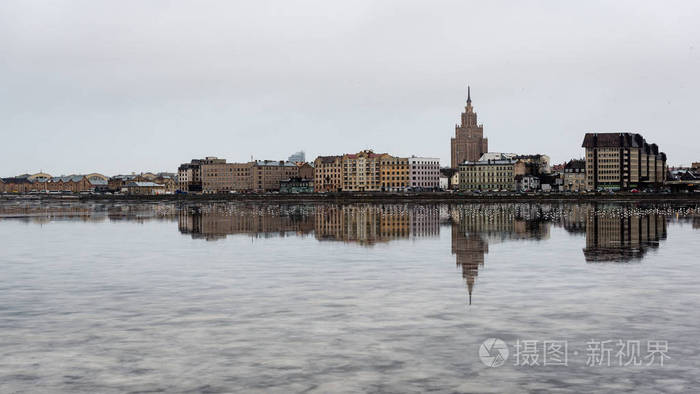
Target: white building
{"x": 424, "y": 172}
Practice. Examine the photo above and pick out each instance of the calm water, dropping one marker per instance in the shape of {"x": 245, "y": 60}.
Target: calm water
{"x": 355, "y": 298}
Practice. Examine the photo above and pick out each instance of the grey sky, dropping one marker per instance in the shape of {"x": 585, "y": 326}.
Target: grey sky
{"x": 121, "y": 86}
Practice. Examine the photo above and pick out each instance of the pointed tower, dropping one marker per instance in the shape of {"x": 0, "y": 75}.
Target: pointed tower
{"x": 468, "y": 143}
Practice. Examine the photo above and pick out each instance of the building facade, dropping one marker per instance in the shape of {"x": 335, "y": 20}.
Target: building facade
{"x": 214, "y": 175}
{"x": 328, "y": 174}
{"x": 424, "y": 173}
{"x": 575, "y": 176}
{"x": 189, "y": 177}
{"x": 468, "y": 143}
{"x": 490, "y": 175}
{"x": 267, "y": 174}
{"x": 394, "y": 173}
{"x": 621, "y": 161}
{"x": 361, "y": 172}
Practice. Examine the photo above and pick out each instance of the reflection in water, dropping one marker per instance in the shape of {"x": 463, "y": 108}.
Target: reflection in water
{"x": 622, "y": 236}
{"x": 214, "y": 224}
{"x": 614, "y": 233}
{"x": 364, "y": 224}
{"x": 474, "y": 227}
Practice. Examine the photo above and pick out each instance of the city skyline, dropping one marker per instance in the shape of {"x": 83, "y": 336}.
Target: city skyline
{"x": 116, "y": 93}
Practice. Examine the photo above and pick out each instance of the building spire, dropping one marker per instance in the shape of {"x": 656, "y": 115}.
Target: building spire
{"x": 469, "y": 94}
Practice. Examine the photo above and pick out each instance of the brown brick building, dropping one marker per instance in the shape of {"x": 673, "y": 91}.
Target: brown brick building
{"x": 469, "y": 142}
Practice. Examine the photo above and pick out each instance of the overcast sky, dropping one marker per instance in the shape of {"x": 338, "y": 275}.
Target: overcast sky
{"x": 122, "y": 86}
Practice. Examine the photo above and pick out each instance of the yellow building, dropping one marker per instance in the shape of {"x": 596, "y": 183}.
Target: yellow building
{"x": 394, "y": 173}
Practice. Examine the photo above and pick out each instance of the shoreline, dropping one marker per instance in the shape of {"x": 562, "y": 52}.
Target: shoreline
{"x": 434, "y": 197}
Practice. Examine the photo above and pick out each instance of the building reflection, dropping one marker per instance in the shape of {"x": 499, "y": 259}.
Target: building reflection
{"x": 474, "y": 227}
{"x": 363, "y": 224}
{"x": 622, "y": 237}
{"x": 367, "y": 224}
{"x": 256, "y": 222}
{"x": 613, "y": 233}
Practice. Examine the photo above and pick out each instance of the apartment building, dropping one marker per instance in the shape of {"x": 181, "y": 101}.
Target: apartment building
{"x": 328, "y": 172}
{"x": 620, "y": 161}
{"x": 267, "y": 174}
{"x": 424, "y": 172}
{"x": 394, "y": 173}
{"x": 490, "y": 175}
{"x": 189, "y": 176}
{"x": 214, "y": 175}
{"x": 361, "y": 172}
{"x": 217, "y": 175}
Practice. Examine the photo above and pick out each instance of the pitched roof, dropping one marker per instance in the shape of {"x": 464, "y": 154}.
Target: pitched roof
{"x": 575, "y": 165}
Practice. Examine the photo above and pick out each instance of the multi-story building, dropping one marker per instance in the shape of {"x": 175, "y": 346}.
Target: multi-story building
{"x": 575, "y": 176}
{"x": 361, "y": 171}
{"x": 619, "y": 161}
{"x": 267, "y": 174}
{"x": 468, "y": 143}
{"x": 189, "y": 176}
{"x": 214, "y": 175}
{"x": 490, "y": 175}
{"x": 394, "y": 173}
{"x": 424, "y": 172}
{"x": 217, "y": 175}
{"x": 328, "y": 174}
{"x": 369, "y": 171}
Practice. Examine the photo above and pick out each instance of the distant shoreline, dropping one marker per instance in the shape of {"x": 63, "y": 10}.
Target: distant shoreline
{"x": 435, "y": 197}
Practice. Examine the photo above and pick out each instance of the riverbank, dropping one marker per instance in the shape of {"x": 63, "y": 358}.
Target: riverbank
{"x": 373, "y": 197}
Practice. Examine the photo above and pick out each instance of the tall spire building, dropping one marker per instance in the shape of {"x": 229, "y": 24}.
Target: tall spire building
{"x": 469, "y": 142}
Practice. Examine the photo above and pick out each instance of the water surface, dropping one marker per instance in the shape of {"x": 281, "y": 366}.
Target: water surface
{"x": 353, "y": 298}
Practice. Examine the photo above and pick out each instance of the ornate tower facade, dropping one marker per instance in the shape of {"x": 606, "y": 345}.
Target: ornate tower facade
{"x": 468, "y": 143}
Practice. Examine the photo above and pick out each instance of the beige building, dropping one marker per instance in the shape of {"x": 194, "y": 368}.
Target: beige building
{"x": 214, "y": 175}
{"x": 189, "y": 176}
{"x": 575, "y": 176}
{"x": 468, "y": 143}
{"x": 361, "y": 172}
{"x": 328, "y": 174}
{"x": 267, "y": 174}
{"x": 619, "y": 161}
{"x": 490, "y": 175}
